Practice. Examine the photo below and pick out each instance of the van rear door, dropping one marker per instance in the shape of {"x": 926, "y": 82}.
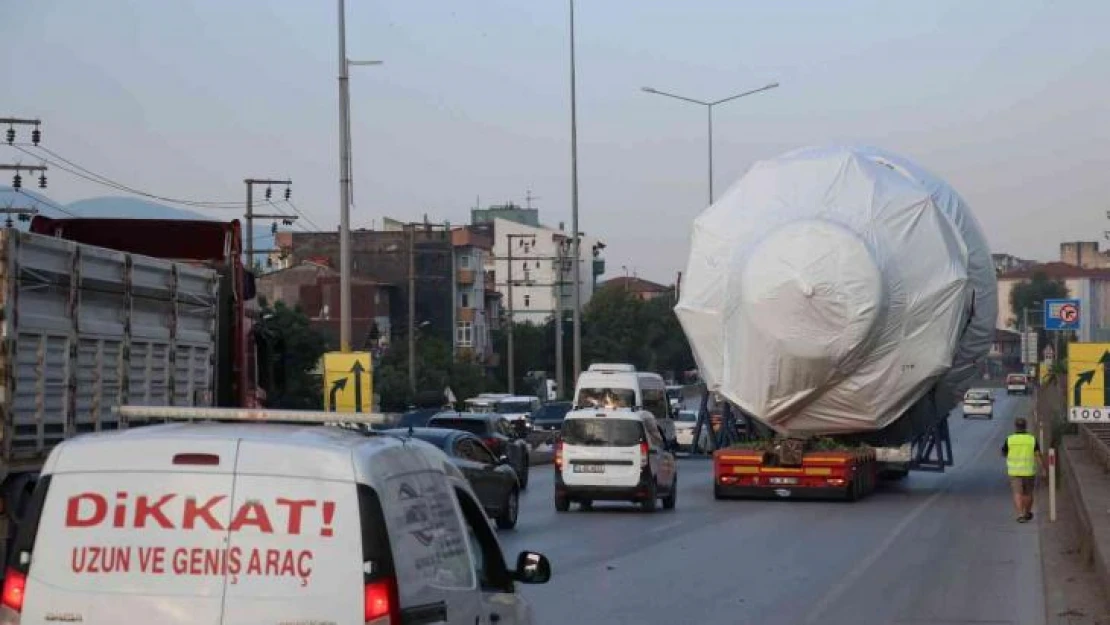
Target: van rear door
{"x": 132, "y": 531}
{"x": 297, "y": 538}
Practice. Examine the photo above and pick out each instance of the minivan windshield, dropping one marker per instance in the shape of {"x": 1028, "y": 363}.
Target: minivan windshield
{"x": 606, "y": 398}
{"x": 977, "y": 396}
{"x": 1015, "y": 378}
{"x": 602, "y": 432}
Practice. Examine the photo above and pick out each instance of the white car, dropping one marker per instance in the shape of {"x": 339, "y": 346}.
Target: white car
{"x": 684, "y": 425}
{"x": 979, "y": 402}
{"x": 613, "y": 455}
{"x": 258, "y": 523}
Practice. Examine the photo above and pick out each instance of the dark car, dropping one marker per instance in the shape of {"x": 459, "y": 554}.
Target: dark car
{"x": 550, "y": 416}
{"x": 493, "y": 480}
{"x": 418, "y": 417}
{"x": 496, "y": 431}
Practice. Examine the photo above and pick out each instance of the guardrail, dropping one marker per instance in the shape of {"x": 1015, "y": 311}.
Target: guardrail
{"x": 1097, "y": 440}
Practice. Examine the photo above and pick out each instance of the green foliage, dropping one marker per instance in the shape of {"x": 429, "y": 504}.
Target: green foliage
{"x": 620, "y": 327}
{"x": 1031, "y": 294}
{"x": 435, "y": 372}
{"x": 289, "y": 350}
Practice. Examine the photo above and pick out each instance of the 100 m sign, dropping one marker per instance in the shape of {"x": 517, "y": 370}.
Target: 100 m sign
{"x": 1089, "y": 414}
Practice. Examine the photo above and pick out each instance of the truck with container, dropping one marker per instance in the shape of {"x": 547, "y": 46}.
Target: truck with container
{"x": 99, "y": 313}
{"x": 837, "y": 301}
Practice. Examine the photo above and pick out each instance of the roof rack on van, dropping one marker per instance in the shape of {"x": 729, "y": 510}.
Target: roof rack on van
{"x": 623, "y": 368}
{"x": 190, "y": 413}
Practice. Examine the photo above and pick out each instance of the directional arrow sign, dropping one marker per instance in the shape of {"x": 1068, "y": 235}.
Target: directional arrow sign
{"x": 357, "y": 370}
{"x": 1104, "y": 362}
{"x": 1077, "y": 388}
{"x": 336, "y": 386}
{"x": 349, "y": 377}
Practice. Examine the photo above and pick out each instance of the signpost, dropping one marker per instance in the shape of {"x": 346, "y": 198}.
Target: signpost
{"x": 1089, "y": 382}
{"x": 1029, "y": 347}
{"x": 348, "y": 382}
{"x": 1061, "y": 314}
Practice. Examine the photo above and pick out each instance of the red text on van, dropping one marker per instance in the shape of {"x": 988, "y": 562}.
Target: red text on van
{"x": 174, "y": 511}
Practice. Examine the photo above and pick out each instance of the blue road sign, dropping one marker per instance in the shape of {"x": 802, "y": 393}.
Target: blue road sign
{"x": 1061, "y": 314}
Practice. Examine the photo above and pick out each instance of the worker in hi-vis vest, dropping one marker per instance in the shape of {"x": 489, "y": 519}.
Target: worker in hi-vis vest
{"x": 1023, "y": 459}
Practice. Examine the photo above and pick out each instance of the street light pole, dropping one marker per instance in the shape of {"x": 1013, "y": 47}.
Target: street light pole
{"x": 345, "y": 183}
{"x": 577, "y": 279}
{"x": 709, "y": 114}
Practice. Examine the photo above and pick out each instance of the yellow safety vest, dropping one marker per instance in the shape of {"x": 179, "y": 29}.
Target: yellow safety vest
{"x": 1020, "y": 457}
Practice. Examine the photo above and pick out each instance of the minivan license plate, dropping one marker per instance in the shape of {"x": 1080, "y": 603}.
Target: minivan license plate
{"x": 783, "y": 480}
{"x": 589, "y": 468}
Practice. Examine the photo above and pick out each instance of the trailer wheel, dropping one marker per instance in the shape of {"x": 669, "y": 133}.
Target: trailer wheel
{"x": 717, "y": 494}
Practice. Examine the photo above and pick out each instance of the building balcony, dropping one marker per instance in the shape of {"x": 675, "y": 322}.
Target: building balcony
{"x": 465, "y": 277}
{"x": 466, "y": 315}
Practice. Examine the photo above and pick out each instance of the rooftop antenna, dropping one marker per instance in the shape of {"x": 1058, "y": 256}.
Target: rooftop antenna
{"x": 528, "y": 197}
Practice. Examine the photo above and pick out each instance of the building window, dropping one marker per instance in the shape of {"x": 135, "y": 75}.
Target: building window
{"x": 464, "y": 300}
{"x": 464, "y": 334}
{"x": 527, "y": 300}
{"x": 524, "y": 266}
{"x": 464, "y": 261}
{"x": 537, "y": 264}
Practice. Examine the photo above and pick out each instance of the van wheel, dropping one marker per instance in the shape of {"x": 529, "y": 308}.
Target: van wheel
{"x": 672, "y": 495}
{"x": 586, "y": 504}
{"x": 651, "y": 499}
{"x": 562, "y": 504}
{"x": 507, "y": 519}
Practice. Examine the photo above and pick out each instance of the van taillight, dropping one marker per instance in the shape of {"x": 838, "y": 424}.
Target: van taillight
{"x": 15, "y": 584}
{"x": 207, "y": 460}
{"x": 559, "y": 455}
{"x": 643, "y": 454}
{"x": 381, "y": 601}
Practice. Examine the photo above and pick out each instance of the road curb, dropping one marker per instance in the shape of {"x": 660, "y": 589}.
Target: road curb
{"x": 1077, "y": 468}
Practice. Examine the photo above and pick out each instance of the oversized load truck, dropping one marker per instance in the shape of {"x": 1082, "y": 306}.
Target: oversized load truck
{"x": 838, "y": 299}
{"x": 100, "y": 313}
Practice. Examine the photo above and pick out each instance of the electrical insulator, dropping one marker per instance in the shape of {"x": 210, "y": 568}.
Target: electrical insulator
{"x": 17, "y": 181}
{"x": 273, "y": 228}
{"x": 24, "y": 217}
{"x": 11, "y": 136}
{"x": 269, "y": 263}
{"x": 42, "y": 181}
{"x": 288, "y": 193}
{"x": 36, "y": 135}
{"x": 269, "y": 192}
{"x": 287, "y": 222}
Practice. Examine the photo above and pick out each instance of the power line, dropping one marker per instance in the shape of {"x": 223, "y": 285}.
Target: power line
{"x": 50, "y": 203}
{"x": 303, "y": 216}
{"x": 91, "y": 176}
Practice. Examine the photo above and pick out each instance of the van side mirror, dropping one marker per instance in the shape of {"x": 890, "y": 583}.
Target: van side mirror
{"x": 532, "y": 568}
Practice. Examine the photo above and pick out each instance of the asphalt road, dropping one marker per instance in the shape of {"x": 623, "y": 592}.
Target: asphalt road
{"x": 935, "y": 548}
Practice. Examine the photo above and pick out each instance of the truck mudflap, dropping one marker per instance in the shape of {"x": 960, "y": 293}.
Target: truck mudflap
{"x": 827, "y": 474}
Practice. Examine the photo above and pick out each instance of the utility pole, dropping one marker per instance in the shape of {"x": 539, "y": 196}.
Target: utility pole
{"x": 412, "y": 308}
{"x": 560, "y": 368}
{"x": 12, "y": 122}
{"x": 23, "y": 214}
{"x": 250, "y": 216}
{"x": 512, "y": 328}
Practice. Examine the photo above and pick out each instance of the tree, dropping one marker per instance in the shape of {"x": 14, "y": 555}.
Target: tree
{"x": 1032, "y": 293}
{"x": 290, "y": 349}
{"x": 435, "y": 372}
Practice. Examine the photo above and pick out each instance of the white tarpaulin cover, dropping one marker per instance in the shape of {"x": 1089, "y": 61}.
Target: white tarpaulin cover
{"x": 830, "y": 288}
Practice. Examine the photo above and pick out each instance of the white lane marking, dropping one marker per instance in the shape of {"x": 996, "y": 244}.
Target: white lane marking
{"x": 664, "y": 527}
{"x": 819, "y": 610}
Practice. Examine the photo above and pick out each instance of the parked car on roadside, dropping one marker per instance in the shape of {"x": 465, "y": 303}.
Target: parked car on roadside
{"x": 492, "y": 478}
{"x": 496, "y": 432}
{"x": 1017, "y": 383}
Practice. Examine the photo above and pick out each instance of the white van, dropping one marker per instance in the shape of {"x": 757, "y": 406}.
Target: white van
{"x": 257, "y": 523}
{"x": 614, "y": 455}
{"x": 621, "y": 387}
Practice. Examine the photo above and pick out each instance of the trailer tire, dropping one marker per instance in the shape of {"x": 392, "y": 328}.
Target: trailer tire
{"x": 717, "y": 494}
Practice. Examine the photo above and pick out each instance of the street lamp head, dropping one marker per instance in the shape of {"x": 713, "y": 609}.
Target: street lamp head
{"x": 772, "y": 85}
{"x": 648, "y": 90}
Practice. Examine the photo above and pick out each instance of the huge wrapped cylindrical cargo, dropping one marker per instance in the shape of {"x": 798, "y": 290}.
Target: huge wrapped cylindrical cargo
{"x": 834, "y": 290}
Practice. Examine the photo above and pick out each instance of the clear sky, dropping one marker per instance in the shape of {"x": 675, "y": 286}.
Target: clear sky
{"x": 1009, "y": 100}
